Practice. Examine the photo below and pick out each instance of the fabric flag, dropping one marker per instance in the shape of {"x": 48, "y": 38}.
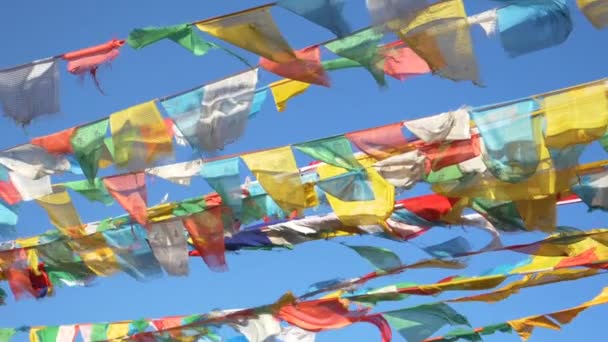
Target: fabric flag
{"x": 95, "y": 191}
{"x": 511, "y": 139}
{"x": 88, "y": 60}
{"x": 326, "y": 13}
{"x": 117, "y": 330}
{"x": 180, "y": 34}
{"x": 180, "y": 173}
{"x": 258, "y": 102}
{"x": 62, "y": 213}
{"x": 259, "y": 329}
{"x": 295, "y": 334}
{"x": 369, "y": 212}
{"x": 447, "y": 126}
{"x": 306, "y": 68}
{"x": 339, "y": 63}
{"x": 443, "y": 155}
{"x": 362, "y": 48}
{"x": 336, "y": 151}
{"x": 276, "y": 170}
{"x": 381, "y": 142}
{"x": 401, "y": 62}
{"x": 53, "y": 333}
{"x": 139, "y": 136}
{"x": 33, "y": 162}
{"x": 93, "y": 332}
{"x": 87, "y": 143}
{"x": 224, "y": 177}
{"x": 207, "y": 232}
{"x": 576, "y": 116}
{"x": 168, "y": 243}
{"x": 403, "y": 170}
{"x": 387, "y": 12}
{"x": 550, "y": 20}
{"x": 349, "y": 187}
{"x": 31, "y": 189}
{"x": 253, "y": 30}
{"x": 318, "y": 315}
{"x": 538, "y": 214}
{"x": 284, "y": 90}
{"x": 31, "y": 90}
{"x": 129, "y": 190}
{"x": 452, "y": 248}
{"x": 381, "y": 258}
{"x": 596, "y": 11}
{"x": 215, "y": 115}
{"x": 420, "y": 322}
{"x": 7, "y": 333}
{"x": 57, "y": 143}
{"x": 8, "y": 218}
{"x": 8, "y": 192}
{"x": 132, "y": 252}
{"x": 440, "y": 35}
{"x": 593, "y": 190}
{"x": 488, "y": 21}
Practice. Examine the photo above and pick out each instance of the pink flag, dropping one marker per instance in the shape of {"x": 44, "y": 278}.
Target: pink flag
{"x": 306, "y": 68}
{"x": 380, "y": 142}
{"x": 130, "y": 191}
{"x": 401, "y": 62}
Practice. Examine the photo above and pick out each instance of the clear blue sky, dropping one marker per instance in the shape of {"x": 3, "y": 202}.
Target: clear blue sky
{"x": 34, "y": 30}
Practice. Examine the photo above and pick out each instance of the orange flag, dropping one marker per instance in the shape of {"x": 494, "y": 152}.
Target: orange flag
{"x": 130, "y": 191}
{"x": 58, "y": 143}
{"x": 306, "y": 68}
{"x": 207, "y": 232}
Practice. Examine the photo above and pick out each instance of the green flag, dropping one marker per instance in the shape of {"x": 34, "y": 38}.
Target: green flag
{"x": 381, "y": 258}
{"x": 6, "y": 334}
{"x": 339, "y": 63}
{"x": 362, "y": 48}
{"x": 87, "y": 143}
{"x": 183, "y": 35}
{"x": 336, "y": 151}
{"x": 420, "y": 322}
{"x": 94, "y": 191}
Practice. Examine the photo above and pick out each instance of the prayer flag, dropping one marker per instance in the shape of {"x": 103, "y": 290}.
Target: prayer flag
{"x": 284, "y": 90}
{"x": 381, "y": 142}
{"x": 33, "y": 162}
{"x": 335, "y": 151}
{"x": 168, "y": 243}
{"x": 57, "y": 143}
{"x": 94, "y": 191}
{"x": 596, "y": 11}
{"x": 224, "y": 177}
{"x": 62, "y": 213}
{"x": 180, "y": 34}
{"x": 130, "y": 192}
{"x": 89, "y": 60}
{"x": 207, "y": 232}
{"x": 326, "y": 13}
{"x": 180, "y": 173}
{"x": 306, "y": 68}
{"x": 87, "y": 143}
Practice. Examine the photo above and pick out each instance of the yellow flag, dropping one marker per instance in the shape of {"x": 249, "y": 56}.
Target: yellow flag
{"x": 539, "y": 214}
{"x": 278, "y": 173}
{"x": 440, "y": 35}
{"x": 253, "y": 30}
{"x": 576, "y": 116}
{"x": 357, "y": 213}
{"x": 61, "y": 211}
{"x": 596, "y": 11}
{"x": 466, "y": 284}
{"x": 525, "y": 326}
{"x": 117, "y": 331}
{"x": 139, "y": 136}
{"x": 284, "y": 90}
{"x": 34, "y": 334}
{"x": 96, "y": 254}
{"x": 566, "y": 316}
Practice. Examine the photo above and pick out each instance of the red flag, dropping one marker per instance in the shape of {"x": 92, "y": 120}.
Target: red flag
{"x": 319, "y": 315}
{"x": 130, "y": 192}
{"x": 430, "y": 207}
{"x": 9, "y": 193}
{"x": 381, "y": 142}
{"x": 88, "y": 60}
{"x": 306, "y": 68}
{"x": 401, "y": 62}
{"x": 207, "y": 232}
{"x": 58, "y": 143}
{"x": 586, "y": 257}
{"x": 440, "y": 155}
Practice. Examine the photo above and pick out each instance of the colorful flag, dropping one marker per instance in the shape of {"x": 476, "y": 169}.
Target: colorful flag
{"x": 180, "y": 173}
{"x": 57, "y": 143}
{"x": 336, "y": 151}
{"x": 326, "y": 13}
{"x": 381, "y": 142}
{"x": 168, "y": 243}
{"x": 62, "y": 213}
{"x": 87, "y": 143}
{"x": 88, "y": 60}
{"x": 180, "y": 34}
{"x": 207, "y": 232}
{"x": 596, "y": 11}
{"x": 130, "y": 192}
{"x": 306, "y": 68}
{"x": 284, "y": 90}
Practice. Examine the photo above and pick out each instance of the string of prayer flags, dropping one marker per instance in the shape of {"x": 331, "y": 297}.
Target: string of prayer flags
{"x": 61, "y": 211}
{"x": 129, "y": 190}
{"x": 30, "y": 91}
{"x": 57, "y": 143}
{"x": 550, "y": 20}
{"x": 305, "y": 68}
{"x": 180, "y": 173}
{"x": 88, "y": 60}
{"x": 440, "y": 35}
{"x": 53, "y": 333}
{"x": 168, "y": 243}
{"x": 362, "y": 47}
{"x": 33, "y": 162}
{"x": 180, "y": 34}
{"x": 93, "y": 191}
{"x": 276, "y": 170}
{"x": 596, "y": 11}
{"x": 284, "y": 90}
{"x": 88, "y": 145}
{"x": 253, "y": 30}
{"x": 381, "y": 142}
{"x": 325, "y": 13}
{"x": 224, "y": 177}
{"x": 576, "y": 116}
{"x": 510, "y": 139}
{"x": 139, "y": 136}
{"x": 215, "y": 115}
{"x": 207, "y": 232}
